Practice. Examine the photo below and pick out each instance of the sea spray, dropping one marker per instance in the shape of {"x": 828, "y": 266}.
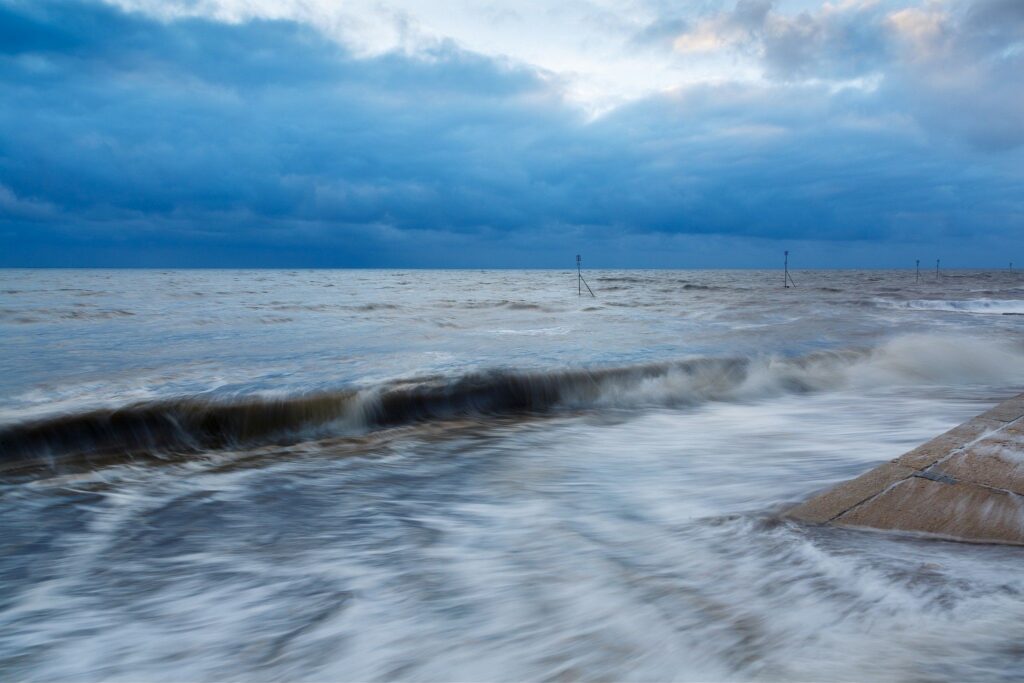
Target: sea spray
{"x": 195, "y": 424}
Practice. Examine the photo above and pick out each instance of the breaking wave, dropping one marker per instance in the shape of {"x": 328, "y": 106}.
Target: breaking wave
{"x": 193, "y": 424}
{"x": 989, "y": 306}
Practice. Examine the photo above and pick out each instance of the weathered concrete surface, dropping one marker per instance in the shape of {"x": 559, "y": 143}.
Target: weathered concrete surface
{"x": 958, "y": 510}
{"x": 966, "y": 484}
{"x": 825, "y": 508}
{"x": 941, "y": 446}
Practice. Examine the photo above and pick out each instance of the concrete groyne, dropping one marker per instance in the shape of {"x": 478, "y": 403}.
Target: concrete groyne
{"x": 966, "y": 484}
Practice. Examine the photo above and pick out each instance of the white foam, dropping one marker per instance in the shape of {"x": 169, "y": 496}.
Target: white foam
{"x": 981, "y": 306}
{"x": 947, "y": 359}
{"x": 906, "y": 360}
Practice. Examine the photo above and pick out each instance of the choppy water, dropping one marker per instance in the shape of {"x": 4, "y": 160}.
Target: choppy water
{"x": 479, "y": 475}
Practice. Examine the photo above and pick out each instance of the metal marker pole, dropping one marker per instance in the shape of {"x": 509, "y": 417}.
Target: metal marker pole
{"x": 917, "y": 277}
{"x": 936, "y": 269}
{"x": 785, "y": 271}
{"x": 581, "y": 283}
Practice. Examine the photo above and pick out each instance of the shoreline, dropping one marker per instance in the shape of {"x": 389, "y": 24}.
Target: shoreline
{"x": 966, "y": 485}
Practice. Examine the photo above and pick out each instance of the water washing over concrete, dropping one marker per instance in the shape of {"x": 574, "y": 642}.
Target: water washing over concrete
{"x": 966, "y": 484}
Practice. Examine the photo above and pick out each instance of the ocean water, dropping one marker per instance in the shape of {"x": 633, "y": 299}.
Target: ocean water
{"x": 481, "y": 475}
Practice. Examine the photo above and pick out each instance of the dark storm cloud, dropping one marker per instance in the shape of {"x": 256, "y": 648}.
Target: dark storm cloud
{"x": 127, "y": 140}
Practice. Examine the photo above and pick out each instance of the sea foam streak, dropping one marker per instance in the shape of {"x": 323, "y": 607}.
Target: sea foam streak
{"x": 192, "y": 424}
{"x": 985, "y": 306}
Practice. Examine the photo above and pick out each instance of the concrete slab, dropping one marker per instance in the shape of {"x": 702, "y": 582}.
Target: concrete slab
{"x": 1007, "y": 411}
{"x": 961, "y": 511}
{"x": 836, "y": 501}
{"x": 943, "y": 445}
{"x": 996, "y": 463}
{"x": 966, "y": 484}
{"x": 1014, "y": 429}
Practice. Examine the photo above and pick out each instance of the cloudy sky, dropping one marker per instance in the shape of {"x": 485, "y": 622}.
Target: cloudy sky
{"x": 461, "y": 133}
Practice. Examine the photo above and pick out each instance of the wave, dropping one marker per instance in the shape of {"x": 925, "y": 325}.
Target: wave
{"x": 195, "y": 424}
{"x": 989, "y": 306}
{"x": 501, "y": 303}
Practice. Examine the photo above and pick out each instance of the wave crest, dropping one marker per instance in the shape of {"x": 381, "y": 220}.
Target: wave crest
{"x": 193, "y": 424}
{"x": 985, "y": 306}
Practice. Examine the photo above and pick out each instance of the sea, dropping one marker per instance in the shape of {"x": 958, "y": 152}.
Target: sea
{"x": 489, "y": 475}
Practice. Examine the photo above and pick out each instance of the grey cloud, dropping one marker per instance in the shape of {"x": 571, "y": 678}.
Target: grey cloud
{"x": 997, "y": 18}
{"x": 833, "y": 44}
{"x": 956, "y": 70}
{"x": 750, "y": 15}
{"x": 660, "y": 33}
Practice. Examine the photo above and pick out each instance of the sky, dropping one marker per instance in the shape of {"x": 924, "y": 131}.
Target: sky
{"x": 420, "y": 133}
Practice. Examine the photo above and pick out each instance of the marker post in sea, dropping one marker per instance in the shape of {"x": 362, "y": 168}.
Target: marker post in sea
{"x": 787, "y": 279}
{"x": 936, "y": 269}
{"x": 917, "y": 277}
{"x": 580, "y": 282}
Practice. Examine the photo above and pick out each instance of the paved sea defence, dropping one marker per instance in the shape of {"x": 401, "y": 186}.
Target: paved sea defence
{"x": 966, "y": 484}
